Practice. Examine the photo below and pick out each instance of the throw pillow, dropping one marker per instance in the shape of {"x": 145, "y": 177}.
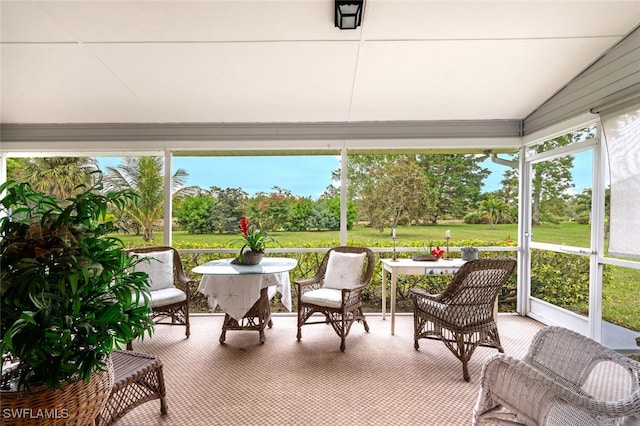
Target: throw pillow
{"x": 344, "y": 270}
{"x": 159, "y": 266}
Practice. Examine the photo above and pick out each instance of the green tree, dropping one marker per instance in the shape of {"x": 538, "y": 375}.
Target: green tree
{"x": 495, "y": 209}
{"x": 458, "y": 180}
{"x": 195, "y": 214}
{"x": 396, "y": 191}
{"x": 270, "y": 211}
{"x": 58, "y": 176}
{"x": 551, "y": 180}
{"x": 333, "y": 204}
{"x": 227, "y": 211}
{"x": 321, "y": 218}
{"x": 144, "y": 176}
{"x": 299, "y": 214}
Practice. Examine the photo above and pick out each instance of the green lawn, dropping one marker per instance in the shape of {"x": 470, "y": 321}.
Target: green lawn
{"x": 461, "y": 235}
{"x": 621, "y": 300}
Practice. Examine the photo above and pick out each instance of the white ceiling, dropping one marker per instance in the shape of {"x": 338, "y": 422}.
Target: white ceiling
{"x": 284, "y": 61}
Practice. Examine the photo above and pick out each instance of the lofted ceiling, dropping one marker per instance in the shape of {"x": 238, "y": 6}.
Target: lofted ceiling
{"x": 266, "y": 61}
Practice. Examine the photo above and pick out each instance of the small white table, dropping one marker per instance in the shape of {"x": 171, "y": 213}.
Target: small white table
{"x": 244, "y": 291}
{"x": 411, "y": 267}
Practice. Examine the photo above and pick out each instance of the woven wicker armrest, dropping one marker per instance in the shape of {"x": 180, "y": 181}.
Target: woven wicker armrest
{"x": 352, "y": 296}
{"x": 514, "y": 383}
{"x": 418, "y": 292}
{"x": 308, "y": 284}
{"x": 185, "y": 282}
{"x": 579, "y": 355}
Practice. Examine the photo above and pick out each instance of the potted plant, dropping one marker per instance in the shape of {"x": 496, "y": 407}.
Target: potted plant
{"x": 255, "y": 240}
{"x": 68, "y": 300}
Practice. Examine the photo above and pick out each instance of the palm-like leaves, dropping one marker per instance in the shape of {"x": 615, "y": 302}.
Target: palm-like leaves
{"x": 58, "y": 176}
{"x": 144, "y": 176}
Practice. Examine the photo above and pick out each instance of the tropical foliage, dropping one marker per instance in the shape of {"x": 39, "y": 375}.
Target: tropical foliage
{"x": 495, "y": 209}
{"x": 253, "y": 238}
{"x": 59, "y": 177}
{"x": 68, "y": 298}
{"x": 144, "y": 176}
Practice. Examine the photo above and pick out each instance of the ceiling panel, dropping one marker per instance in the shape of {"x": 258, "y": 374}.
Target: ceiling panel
{"x": 482, "y": 79}
{"x": 478, "y": 19}
{"x": 63, "y": 84}
{"x": 200, "y": 21}
{"x": 284, "y": 61}
{"x": 248, "y": 82}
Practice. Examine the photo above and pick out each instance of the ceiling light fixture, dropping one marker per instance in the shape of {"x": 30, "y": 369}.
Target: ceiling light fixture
{"x": 348, "y": 14}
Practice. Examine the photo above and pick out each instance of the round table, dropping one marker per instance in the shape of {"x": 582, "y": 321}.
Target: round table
{"x": 244, "y": 291}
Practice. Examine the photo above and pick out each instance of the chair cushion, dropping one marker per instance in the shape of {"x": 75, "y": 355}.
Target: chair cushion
{"x": 159, "y": 267}
{"x": 167, "y": 296}
{"x": 329, "y": 297}
{"x": 343, "y": 270}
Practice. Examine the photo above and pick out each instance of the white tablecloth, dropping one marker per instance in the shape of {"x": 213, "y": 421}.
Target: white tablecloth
{"x": 237, "y": 288}
{"x": 236, "y": 294}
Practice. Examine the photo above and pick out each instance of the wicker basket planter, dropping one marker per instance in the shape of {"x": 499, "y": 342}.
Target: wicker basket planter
{"x": 76, "y": 404}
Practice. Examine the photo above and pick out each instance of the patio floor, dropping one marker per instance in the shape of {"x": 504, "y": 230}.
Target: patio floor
{"x": 379, "y": 379}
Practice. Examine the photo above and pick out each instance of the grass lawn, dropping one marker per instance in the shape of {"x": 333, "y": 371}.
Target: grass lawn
{"x": 461, "y": 234}
{"x": 621, "y": 299}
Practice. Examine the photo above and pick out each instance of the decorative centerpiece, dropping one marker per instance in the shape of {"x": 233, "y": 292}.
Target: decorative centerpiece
{"x": 431, "y": 256}
{"x": 255, "y": 240}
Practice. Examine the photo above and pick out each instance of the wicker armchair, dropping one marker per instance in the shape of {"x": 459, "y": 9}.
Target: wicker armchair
{"x": 335, "y": 290}
{"x": 462, "y": 316}
{"x": 565, "y": 379}
{"x": 138, "y": 378}
{"x": 168, "y": 301}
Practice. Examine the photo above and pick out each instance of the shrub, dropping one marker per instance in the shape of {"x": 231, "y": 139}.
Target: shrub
{"x": 472, "y": 218}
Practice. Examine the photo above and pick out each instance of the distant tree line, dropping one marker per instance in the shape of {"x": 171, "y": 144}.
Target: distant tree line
{"x": 220, "y": 209}
{"x": 384, "y": 191}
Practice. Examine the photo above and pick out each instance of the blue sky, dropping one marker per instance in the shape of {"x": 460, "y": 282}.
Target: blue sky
{"x": 306, "y": 176}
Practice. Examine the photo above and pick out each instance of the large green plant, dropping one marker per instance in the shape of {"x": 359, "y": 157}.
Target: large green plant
{"x": 68, "y": 298}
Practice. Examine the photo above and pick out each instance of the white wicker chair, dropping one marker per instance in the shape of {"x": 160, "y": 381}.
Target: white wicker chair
{"x": 565, "y": 379}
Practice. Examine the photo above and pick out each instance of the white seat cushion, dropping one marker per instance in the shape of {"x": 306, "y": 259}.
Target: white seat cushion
{"x": 343, "y": 270}
{"x": 329, "y": 297}
{"x": 159, "y": 266}
{"x": 167, "y": 296}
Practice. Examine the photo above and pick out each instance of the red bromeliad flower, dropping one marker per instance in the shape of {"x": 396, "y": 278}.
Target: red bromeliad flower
{"x": 437, "y": 252}
{"x": 252, "y": 238}
{"x": 244, "y": 226}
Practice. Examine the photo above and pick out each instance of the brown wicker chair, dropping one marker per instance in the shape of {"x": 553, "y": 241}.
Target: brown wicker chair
{"x": 462, "y": 316}
{"x": 334, "y": 291}
{"x": 167, "y": 299}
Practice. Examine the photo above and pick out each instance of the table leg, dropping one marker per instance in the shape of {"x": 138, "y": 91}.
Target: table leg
{"x": 256, "y": 319}
{"x": 225, "y": 324}
{"x": 384, "y": 293}
{"x": 394, "y": 282}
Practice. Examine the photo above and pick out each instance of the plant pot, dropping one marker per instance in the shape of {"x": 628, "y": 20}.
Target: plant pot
{"x": 249, "y": 257}
{"x": 77, "y": 403}
{"x": 469, "y": 253}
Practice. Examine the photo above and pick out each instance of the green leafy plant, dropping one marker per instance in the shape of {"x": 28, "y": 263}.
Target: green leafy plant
{"x": 253, "y": 238}
{"x": 68, "y": 296}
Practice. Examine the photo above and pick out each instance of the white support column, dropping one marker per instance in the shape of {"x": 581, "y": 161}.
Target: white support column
{"x": 168, "y": 166}
{"x": 524, "y": 235}
{"x": 343, "y": 196}
{"x": 3, "y": 174}
{"x": 597, "y": 238}
{"x": 3, "y": 167}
